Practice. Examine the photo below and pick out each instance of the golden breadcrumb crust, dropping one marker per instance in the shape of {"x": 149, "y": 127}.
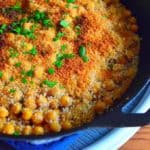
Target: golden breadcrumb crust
{"x": 65, "y": 62}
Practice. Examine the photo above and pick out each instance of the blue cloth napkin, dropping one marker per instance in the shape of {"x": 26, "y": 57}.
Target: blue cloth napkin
{"x": 75, "y": 141}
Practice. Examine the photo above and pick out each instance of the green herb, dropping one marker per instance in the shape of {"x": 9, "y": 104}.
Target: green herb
{"x": 50, "y": 84}
{"x": 13, "y": 53}
{"x": 16, "y": 133}
{"x": 17, "y": 28}
{"x": 24, "y": 80}
{"x": 64, "y": 23}
{"x": 70, "y": 1}
{"x": 1, "y": 74}
{"x": 51, "y": 71}
{"x": 12, "y": 91}
{"x": 82, "y": 51}
{"x": 59, "y": 36}
{"x": 67, "y": 5}
{"x": 64, "y": 47}
{"x": 47, "y": 1}
{"x": 42, "y": 17}
{"x": 30, "y": 73}
{"x": 33, "y": 51}
{"x": 78, "y": 29}
{"x": 65, "y": 56}
{"x": 16, "y": 7}
{"x": 75, "y": 6}
{"x": 58, "y": 64}
{"x": 11, "y": 79}
{"x": 23, "y": 44}
{"x": 85, "y": 58}
{"x": 3, "y": 27}
{"x": 47, "y": 23}
{"x": 18, "y": 64}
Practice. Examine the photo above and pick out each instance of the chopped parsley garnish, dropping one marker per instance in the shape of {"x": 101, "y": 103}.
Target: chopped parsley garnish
{"x": 70, "y": 1}
{"x": 3, "y": 27}
{"x": 30, "y": 73}
{"x": 85, "y": 58}
{"x": 65, "y": 56}
{"x": 58, "y": 63}
{"x": 13, "y": 53}
{"x": 50, "y": 84}
{"x": 47, "y": 1}
{"x": 18, "y": 64}
{"x": 42, "y": 17}
{"x": 11, "y": 79}
{"x": 17, "y": 28}
{"x": 51, "y": 71}
{"x": 59, "y": 36}
{"x": 60, "y": 57}
{"x": 82, "y": 53}
{"x": 16, "y": 7}
{"x": 33, "y": 51}
{"x": 63, "y": 47}
{"x": 64, "y": 23}
{"x": 1, "y": 74}
{"x": 78, "y": 29}
{"x": 16, "y": 133}
{"x": 24, "y": 80}
{"x": 12, "y": 91}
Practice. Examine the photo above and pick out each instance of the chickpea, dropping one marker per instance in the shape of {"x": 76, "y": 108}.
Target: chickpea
{"x": 132, "y": 20}
{"x": 109, "y": 85}
{"x": 27, "y": 26}
{"x": 18, "y": 95}
{"x": 3, "y": 112}
{"x": 127, "y": 13}
{"x": 66, "y": 125}
{"x": 53, "y": 92}
{"x": 100, "y": 106}
{"x": 27, "y": 114}
{"x": 39, "y": 71}
{"x": 6, "y": 76}
{"x": 27, "y": 130}
{"x": 134, "y": 28}
{"x": 38, "y": 130}
{"x": 42, "y": 101}
{"x": 37, "y": 118}
{"x": 91, "y": 5}
{"x": 55, "y": 126}
{"x": 9, "y": 129}
{"x": 16, "y": 108}
{"x": 30, "y": 103}
{"x": 52, "y": 115}
{"x": 26, "y": 65}
{"x": 65, "y": 101}
{"x": 53, "y": 104}
{"x": 108, "y": 101}
{"x": 2, "y": 123}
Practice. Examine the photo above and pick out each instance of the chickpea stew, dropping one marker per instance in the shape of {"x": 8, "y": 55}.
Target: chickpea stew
{"x": 62, "y": 62}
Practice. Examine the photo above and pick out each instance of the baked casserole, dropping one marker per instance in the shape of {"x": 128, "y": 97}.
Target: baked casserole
{"x": 62, "y": 62}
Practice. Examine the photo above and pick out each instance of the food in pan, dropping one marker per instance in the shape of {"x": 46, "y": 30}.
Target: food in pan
{"x": 62, "y": 62}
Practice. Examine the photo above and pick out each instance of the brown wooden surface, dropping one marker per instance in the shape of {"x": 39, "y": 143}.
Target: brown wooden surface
{"x": 141, "y": 140}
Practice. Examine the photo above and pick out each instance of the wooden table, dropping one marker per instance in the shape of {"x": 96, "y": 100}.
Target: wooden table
{"x": 141, "y": 141}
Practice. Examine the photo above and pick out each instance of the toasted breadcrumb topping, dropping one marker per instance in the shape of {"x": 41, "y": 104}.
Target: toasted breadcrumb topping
{"x": 62, "y": 62}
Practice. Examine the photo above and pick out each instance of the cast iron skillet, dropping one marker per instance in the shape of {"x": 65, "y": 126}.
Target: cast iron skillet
{"x": 114, "y": 116}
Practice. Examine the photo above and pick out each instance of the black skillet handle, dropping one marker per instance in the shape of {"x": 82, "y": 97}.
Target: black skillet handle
{"x": 120, "y": 119}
